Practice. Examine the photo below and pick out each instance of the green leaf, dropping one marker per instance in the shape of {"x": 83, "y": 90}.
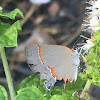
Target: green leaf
{"x": 3, "y": 27}
{"x": 11, "y": 14}
{"x": 29, "y": 93}
{"x": 66, "y": 92}
{"x": 91, "y": 74}
{"x": 94, "y": 52}
{"x": 3, "y": 93}
{"x": 66, "y": 96}
{"x": 71, "y": 87}
{"x": 58, "y": 97}
{"x": 9, "y": 34}
{"x": 56, "y": 90}
{"x": 69, "y": 96}
{"x": 75, "y": 86}
{"x": 41, "y": 87}
{"x": 33, "y": 79}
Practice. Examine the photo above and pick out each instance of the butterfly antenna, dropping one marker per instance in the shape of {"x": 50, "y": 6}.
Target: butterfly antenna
{"x": 75, "y": 43}
{"x": 84, "y": 37}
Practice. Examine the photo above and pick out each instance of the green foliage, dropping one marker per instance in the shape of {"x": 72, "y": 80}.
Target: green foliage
{"x": 74, "y": 86}
{"x": 33, "y": 79}
{"x": 9, "y": 33}
{"x": 87, "y": 97}
{"x": 68, "y": 90}
{"x": 65, "y": 95}
{"x": 3, "y": 93}
{"x": 58, "y": 97}
{"x": 29, "y": 93}
{"x": 91, "y": 74}
{"x": 56, "y": 93}
{"x": 11, "y": 14}
{"x": 27, "y": 84}
{"x": 94, "y": 52}
{"x": 8, "y": 38}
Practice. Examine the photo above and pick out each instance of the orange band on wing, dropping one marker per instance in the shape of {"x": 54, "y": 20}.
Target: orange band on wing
{"x": 52, "y": 70}
{"x": 70, "y": 49}
{"x": 57, "y": 77}
{"x": 54, "y": 74}
{"x": 70, "y": 79}
{"x": 40, "y": 53}
{"x": 64, "y": 79}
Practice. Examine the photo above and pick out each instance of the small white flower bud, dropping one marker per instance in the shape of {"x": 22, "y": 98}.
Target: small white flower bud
{"x": 38, "y": 2}
{"x": 94, "y": 23}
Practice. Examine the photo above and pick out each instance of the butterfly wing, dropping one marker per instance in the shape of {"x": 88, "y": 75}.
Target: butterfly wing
{"x": 61, "y": 58}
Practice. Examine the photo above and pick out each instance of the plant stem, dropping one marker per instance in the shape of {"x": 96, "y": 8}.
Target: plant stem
{"x": 7, "y": 72}
{"x": 86, "y": 88}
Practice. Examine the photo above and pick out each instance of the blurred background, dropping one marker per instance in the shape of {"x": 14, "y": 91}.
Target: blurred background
{"x": 56, "y": 22}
